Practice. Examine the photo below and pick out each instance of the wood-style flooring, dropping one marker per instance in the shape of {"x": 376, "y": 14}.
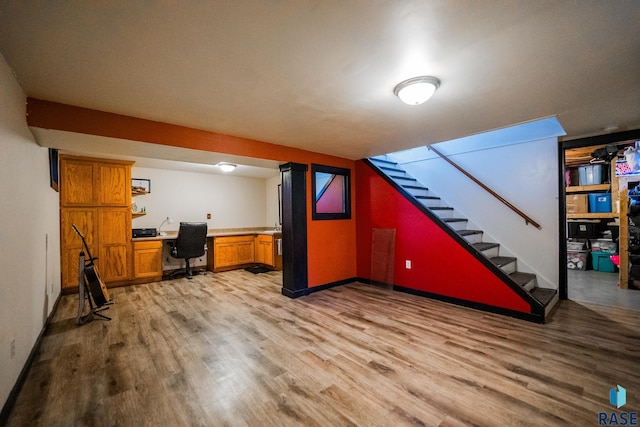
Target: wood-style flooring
{"x": 229, "y": 349}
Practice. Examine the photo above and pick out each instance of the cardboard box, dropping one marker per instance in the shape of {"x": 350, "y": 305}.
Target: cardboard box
{"x": 577, "y": 203}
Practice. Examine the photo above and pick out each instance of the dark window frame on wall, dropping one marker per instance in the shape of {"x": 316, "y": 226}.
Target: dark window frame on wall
{"x": 54, "y": 174}
{"x": 319, "y": 179}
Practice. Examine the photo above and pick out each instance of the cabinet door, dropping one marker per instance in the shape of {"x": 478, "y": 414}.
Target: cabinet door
{"x": 147, "y": 259}
{"x": 71, "y": 244}
{"x": 246, "y": 252}
{"x": 264, "y": 250}
{"x": 77, "y": 183}
{"x": 259, "y": 252}
{"x": 115, "y": 242}
{"x": 225, "y": 254}
{"x": 114, "y": 184}
{"x": 233, "y": 250}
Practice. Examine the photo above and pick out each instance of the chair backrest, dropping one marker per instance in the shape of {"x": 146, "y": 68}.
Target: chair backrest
{"x": 191, "y": 240}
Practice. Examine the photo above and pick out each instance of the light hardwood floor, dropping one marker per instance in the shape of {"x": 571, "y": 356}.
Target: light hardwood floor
{"x": 229, "y": 349}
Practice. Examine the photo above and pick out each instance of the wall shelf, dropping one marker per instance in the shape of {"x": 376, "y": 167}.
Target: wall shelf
{"x": 595, "y": 215}
{"x": 587, "y": 188}
{"x": 138, "y": 193}
{"x": 137, "y": 214}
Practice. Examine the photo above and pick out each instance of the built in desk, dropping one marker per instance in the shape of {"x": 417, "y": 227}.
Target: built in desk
{"x": 226, "y": 250}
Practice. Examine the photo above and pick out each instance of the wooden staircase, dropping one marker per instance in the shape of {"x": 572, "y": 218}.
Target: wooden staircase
{"x": 447, "y": 216}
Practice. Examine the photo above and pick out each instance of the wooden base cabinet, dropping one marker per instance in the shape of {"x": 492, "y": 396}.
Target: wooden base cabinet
{"x": 71, "y": 244}
{"x": 115, "y": 244}
{"x": 230, "y": 252}
{"x": 233, "y": 251}
{"x": 267, "y": 252}
{"x": 264, "y": 249}
{"x": 147, "y": 260}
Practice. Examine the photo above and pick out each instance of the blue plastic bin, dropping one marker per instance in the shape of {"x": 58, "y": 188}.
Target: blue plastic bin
{"x": 600, "y": 202}
{"x": 602, "y": 262}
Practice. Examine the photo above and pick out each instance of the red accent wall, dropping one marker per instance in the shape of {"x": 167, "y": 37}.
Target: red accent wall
{"x": 439, "y": 264}
{"x": 331, "y": 244}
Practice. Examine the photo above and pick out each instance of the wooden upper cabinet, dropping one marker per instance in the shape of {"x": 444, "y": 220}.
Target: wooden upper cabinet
{"x": 77, "y": 182}
{"x": 114, "y": 184}
{"x": 87, "y": 181}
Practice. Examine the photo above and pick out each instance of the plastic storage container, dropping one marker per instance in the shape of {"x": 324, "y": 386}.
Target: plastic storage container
{"x": 575, "y": 246}
{"x": 584, "y": 229}
{"x": 600, "y": 202}
{"x": 601, "y": 245}
{"x": 602, "y": 262}
{"x": 590, "y": 175}
{"x": 577, "y": 260}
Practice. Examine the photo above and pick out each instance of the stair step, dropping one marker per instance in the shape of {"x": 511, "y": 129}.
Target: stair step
{"x": 471, "y": 236}
{"x": 456, "y": 223}
{"x": 483, "y": 246}
{"x": 544, "y": 295}
{"x": 526, "y": 280}
{"x": 416, "y": 190}
{"x": 382, "y": 161}
{"x": 505, "y": 263}
{"x": 442, "y": 211}
{"x": 489, "y": 250}
{"x": 391, "y": 169}
{"x": 405, "y": 178}
{"x": 449, "y": 220}
{"x": 429, "y": 201}
{"x": 415, "y": 187}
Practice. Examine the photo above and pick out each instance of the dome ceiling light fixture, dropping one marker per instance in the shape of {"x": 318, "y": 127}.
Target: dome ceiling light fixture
{"x": 417, "y": 90}
{"x": 226, "y": 167}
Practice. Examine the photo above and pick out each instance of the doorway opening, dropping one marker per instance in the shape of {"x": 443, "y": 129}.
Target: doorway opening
{"x": 599, "y": 237}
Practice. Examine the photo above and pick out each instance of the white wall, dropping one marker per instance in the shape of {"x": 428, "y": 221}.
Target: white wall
{"x": 272, "y": 211}
{"x": 234, "y": 202}
{"x": 29, "y": 235}
{"x": 525, "y": 174}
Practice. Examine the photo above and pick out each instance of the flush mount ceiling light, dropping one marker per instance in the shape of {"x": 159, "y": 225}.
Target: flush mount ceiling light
{"x": 226, "y": 167}
{"x": 417, "y": 90}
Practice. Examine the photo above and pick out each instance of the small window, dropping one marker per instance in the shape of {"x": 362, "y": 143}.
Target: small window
{"x": 330, "y": 191}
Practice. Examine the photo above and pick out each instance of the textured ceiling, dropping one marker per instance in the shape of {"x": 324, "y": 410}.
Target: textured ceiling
{"x": 319, "y": 75}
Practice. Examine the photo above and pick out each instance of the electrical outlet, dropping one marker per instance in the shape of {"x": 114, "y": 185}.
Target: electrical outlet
{"x": 407, "y": 264}
{"x": 208, "y": 216}
{"x": 13, "y": 348}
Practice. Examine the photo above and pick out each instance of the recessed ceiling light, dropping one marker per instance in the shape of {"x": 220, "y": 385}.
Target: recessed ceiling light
{"x": 226, "y": 167}
{"x": 417, "y": 90}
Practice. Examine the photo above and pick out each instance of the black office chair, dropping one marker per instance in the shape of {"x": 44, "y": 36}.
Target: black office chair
{"x": 190, "y": 243}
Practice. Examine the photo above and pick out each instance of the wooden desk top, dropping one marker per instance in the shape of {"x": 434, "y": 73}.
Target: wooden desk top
{"x": 172, "y": 235}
